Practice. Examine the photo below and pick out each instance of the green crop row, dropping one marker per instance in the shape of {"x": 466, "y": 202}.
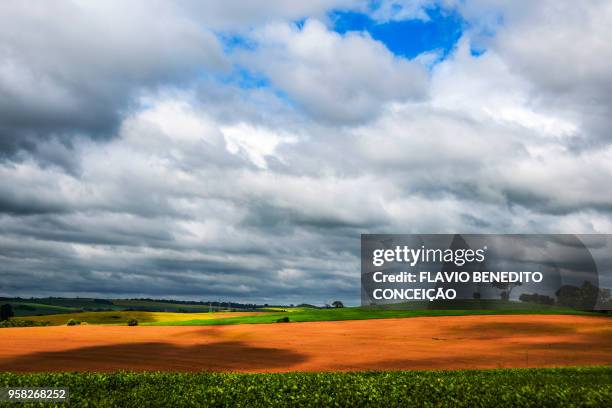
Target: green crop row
{"x": 579, "y": 387}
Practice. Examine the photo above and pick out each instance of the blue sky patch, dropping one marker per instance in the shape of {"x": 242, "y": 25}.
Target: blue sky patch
{"x": 407, "y": 38}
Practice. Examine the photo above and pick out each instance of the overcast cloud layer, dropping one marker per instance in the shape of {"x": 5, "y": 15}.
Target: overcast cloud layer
{"x": 237, "y": 150}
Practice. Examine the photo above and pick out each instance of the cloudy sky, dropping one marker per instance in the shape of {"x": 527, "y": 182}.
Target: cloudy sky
{"x": 225, "y": 149}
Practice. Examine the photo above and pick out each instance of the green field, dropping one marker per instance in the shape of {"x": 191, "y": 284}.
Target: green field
{"x": 152, "y": 306}
{"x": 23, "y": 308}
{"x": 356, "y": 313}
{"x": 58, "y": 311}
{"x": 122, "y": 317}
{"x": 579, "y": 387}
{"x": 50, "y": 306}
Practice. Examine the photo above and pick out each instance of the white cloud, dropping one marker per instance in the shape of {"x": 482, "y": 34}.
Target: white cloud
{"x": 335, "y": 78}
{"x": 243, "y": 15}
{"x": 398, "y": 10}
{"x": 561, "y": 49}
{"x": 496, "y": 92}
{"x": 256, "y": 143}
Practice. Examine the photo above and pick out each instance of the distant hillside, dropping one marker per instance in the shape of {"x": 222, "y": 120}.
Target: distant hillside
{"x": 307, "y": 305}
{"x": 56, "y": 305}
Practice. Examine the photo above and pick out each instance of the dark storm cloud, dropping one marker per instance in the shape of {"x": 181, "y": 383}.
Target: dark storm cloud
{"x": 69, "y": 69}
{"x": 81, "y": 230}
{"x": 27, "y": 206}
{"x": 270, "y": 217}
{"x": 130, "y": 272}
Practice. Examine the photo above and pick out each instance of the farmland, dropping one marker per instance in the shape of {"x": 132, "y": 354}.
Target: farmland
{"x": 444, "y": 342}
{"x": 353, "y": 313}
{"x": 122, "y": 317}
{"x": 355, "y": 356}
{"x": 59, "y": 311}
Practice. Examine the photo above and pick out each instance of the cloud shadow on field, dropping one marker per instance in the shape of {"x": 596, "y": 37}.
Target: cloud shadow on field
{"x": 493, "y": 330}
{"x": 219, "y": 356}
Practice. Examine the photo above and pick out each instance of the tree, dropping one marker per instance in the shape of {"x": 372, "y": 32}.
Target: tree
{"x": 506, "y": 288}
{"x": 589, "y": 294}
{"x": 537, "y": 298}
{"x": 337, "y": 303}
{"x": 605, "y": 297}
{"x": 6, "y": 312}
{"x": 583, "y": 297}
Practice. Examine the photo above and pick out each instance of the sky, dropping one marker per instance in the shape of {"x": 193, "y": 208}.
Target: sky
{"x": 231, "y": 150}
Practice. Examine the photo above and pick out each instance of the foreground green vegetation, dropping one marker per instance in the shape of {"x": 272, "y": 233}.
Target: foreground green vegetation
{"x": 356, "y": 313}
{"x": 580, "y": 387}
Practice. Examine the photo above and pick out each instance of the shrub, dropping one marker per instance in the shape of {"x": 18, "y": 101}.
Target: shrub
{"x": 132, "y": 322}
{"x": 6, "y": 311}
{"x": 73, "y": 322}
{"x": 283, "y": 320}
{"x": 23, "y": 323}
